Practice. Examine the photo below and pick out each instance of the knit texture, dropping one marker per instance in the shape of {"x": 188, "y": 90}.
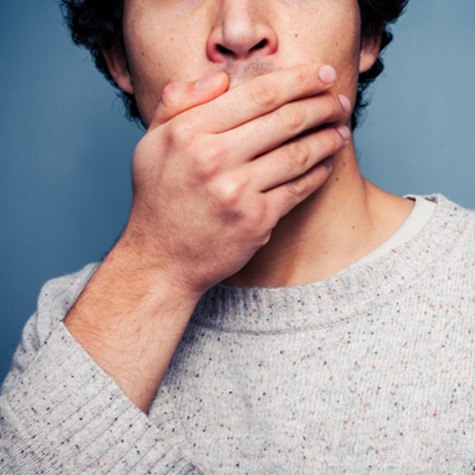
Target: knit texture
{"x": 369, "y": 371}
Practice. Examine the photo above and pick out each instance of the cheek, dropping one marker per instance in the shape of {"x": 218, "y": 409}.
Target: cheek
{"x": 158, "y": 54}
{"x": 157, "y": 50}
{"x": 326, "y": 29}
{"x": 339, "y": 47}
{"x": 148, "y": 81}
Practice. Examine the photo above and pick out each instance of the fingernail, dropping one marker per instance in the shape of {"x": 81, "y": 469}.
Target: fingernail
{"x": 327, "y": 74}
{"x": 209, "y": 82}
{"x": 345, "y": 102}
{"x": 345, "y": 132}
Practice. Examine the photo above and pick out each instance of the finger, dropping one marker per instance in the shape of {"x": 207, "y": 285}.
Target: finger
{"x": 179, "y": 96}
{"x": 264, "y": 94}
{"x": 266, "y": 133}
{"x": 297, "y": 157}
{"x": 282, "y": 199}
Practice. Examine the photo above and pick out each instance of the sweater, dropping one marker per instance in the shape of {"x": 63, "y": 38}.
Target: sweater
{"x": 368, "y": 371}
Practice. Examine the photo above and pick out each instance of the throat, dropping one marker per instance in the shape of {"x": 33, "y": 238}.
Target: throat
{"x": 343, "y": 222}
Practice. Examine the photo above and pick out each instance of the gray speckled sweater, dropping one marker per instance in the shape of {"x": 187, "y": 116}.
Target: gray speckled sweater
{"x": 369, "y": 371}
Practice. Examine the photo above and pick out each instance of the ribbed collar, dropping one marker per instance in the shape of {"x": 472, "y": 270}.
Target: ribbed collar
{"x": 356, "y": 290}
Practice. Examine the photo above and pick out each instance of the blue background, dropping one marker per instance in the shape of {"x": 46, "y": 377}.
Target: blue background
{"x": 65, "y": 148}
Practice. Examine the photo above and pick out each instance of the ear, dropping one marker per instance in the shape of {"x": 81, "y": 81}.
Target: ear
{"x": 118, "y": 66}
{"x": 370, "y": 47}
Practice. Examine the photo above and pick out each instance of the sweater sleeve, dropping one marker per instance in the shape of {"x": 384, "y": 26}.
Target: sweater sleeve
{"x": 61, "y": 413}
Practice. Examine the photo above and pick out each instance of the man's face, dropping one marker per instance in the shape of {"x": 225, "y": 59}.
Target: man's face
{"x": 168, "y": 40}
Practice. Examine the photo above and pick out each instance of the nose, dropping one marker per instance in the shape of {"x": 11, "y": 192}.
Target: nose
{"x": 242, "y": 30}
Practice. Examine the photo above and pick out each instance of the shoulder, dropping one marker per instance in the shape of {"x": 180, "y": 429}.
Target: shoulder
{"x": 445, "y": 244}
{"x": 446, "y": 205}
{"x": 450, "y": 236}
{"x": 450, "y": 220}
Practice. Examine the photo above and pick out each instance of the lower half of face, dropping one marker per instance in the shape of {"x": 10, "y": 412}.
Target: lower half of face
{"x": 168, "y": 40}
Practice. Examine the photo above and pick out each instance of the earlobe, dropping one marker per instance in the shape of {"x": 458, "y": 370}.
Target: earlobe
{"x": 370, "y": 47}
{"x": 116, "y": 61}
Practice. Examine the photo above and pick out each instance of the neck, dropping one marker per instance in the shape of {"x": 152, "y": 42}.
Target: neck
{"x": 339, "y": 224}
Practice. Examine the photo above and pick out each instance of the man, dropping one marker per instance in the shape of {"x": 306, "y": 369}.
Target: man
{"x": 267, "y": 309}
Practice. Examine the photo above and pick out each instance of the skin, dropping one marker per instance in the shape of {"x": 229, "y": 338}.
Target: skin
{"x": 169, "y": 41}
{"x": 232, "y": 181}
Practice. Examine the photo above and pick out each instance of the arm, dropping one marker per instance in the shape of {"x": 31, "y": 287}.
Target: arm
{"x": 60, "y": 413}
{"x": 203, "y": 205}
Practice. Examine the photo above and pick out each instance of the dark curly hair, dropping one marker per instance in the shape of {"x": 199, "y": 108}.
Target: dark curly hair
{"x": 97, "y": 24}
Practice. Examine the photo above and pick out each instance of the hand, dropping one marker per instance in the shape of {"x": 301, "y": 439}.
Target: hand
{"x": 218, "y": 168}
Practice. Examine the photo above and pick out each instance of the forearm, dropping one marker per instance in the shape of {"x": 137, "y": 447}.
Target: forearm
{"x": 63, "y": 414}
{"x": 130, "y": 321}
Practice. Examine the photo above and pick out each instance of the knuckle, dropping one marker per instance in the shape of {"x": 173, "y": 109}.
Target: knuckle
{"x": 211, "y": 162}
{"x": 261, "y": 238}
{"x": 264, "y": 94}
{"x": 169, "y": 95}
{"x": 228, "y": 191}
{"x": 265, "y": 238}
{"x": 306, "y": 78}
{"x": 181, "y": 133}
{"x": 299, "y": 154}
{"x": 298, "y": 187}
{"x": 293, "y": 119}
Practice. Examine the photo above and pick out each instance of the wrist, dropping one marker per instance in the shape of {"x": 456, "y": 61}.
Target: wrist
{"x": 125, "y": 289}
{"x": 130, "y": 320}
{"x": 147, "y": 273}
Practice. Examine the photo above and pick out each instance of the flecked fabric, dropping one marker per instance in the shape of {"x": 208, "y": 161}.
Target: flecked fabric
{"x": 369, "y": 371}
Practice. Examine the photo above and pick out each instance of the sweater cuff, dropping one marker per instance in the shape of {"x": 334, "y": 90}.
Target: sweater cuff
{"x": 66, "y": 413}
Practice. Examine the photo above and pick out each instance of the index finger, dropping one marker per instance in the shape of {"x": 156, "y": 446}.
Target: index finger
{"x": 180, "y": 96}
{"x": 262, "y": 95}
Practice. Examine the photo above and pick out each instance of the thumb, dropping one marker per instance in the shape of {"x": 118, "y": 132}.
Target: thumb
{"x": 179, "y": 96}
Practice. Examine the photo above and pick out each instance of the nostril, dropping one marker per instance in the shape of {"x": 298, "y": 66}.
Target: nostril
{"x": 262, "y": 44}
{"x": 230, "y": 53}
{"x": 225, "y": 51}
{"x": 234, "y": 44}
